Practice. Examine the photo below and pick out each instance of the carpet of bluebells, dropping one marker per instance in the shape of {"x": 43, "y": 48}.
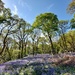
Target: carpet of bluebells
{"x": 35, "y": 65}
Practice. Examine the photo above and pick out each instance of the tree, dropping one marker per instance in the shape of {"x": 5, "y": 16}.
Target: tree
{"x": 63, "y": 26}
{"x": 37, "y": 33}
{"x": 71, "y": 7}
{"x": 48, "y": 22}
{"x": 22, "y": 36}
{"x": 7, "y": 26}
{"x": 1, "y": 5}
{"x": 70, "y": 41}
{"x": 33, "y": 37}
{"x": 43, "y": 43}
{"x": 72, "y": 23}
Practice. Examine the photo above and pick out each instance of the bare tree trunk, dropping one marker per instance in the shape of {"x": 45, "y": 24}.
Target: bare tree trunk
{"x": 37, "y": 46}
{"x": 33, "y": 47}
{"x": 4, "y": 44}
{"x": 22, "y": 49}
{"x": 42, "y": 48}
{"x": 52, "y": 47}
{"x": 25, "y": 49}
{"x": 64, "y": 40}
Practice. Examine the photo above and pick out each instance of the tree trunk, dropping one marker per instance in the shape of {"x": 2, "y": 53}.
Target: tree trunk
{"x": 37, "y": 46}
{"x": 64, "y": 40}
{"x": 19, "y": 45}
{"x": 33, "y": 47}
{"x": 42, "y": 48}
{"x": 4, "y": 44}
{"x": 8, "y": 53}
{"x": 22, "y": 49}
{"x": 52, "y": 47}
{"x": 25, "y": 49}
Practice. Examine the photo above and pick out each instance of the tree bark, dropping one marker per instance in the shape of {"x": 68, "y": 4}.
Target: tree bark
{"x": 22, "y": 49}
{"x": 33, "y": 47}
{"x": 25, "y": 49}
{"x": 4, "y": 44}
{"x": 52, "y": 47}
{"x": 64, "y": 40}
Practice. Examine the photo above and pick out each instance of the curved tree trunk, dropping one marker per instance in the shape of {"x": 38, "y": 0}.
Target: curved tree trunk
{"x": 4, "y": 44}
{"x": 52, "y": 47}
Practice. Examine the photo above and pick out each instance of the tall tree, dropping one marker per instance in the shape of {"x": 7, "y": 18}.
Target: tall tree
{"x": 72, "y": 22}
{"x": 48, "y": 22}
{"x": 33, "y": 37}
{"x": 37, "y": 33}
{"x": 71, "y": 7}
{"x": 7, "y": 26}
{"x": 43, "y": 41}
{"x": 1, "y": 5}
{"x": 71, "y": 40}
{"x": 63, "y": 26}
{"x": 22, "y": 35}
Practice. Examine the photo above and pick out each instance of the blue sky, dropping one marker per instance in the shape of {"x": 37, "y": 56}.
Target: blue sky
{"x": 29, "y": 9}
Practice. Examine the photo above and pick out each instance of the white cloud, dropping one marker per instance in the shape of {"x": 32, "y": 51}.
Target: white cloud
{"x": 50, "y": 6}
{"x": 24, "y": 4}
{"x": 15, "y": 11}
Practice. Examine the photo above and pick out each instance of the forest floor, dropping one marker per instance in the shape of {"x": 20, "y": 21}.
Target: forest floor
{"x": 41, "y": 64}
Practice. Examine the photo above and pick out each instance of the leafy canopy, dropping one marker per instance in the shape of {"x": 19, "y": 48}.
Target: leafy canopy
{"x": 72, "y": 22}
{"x": 47, "y": 22}
{"x": 71, "y": 7}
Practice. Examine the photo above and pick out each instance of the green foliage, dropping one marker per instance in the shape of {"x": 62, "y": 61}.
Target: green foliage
{"x": 72, "y": 22}
{"x": 1, "y": 5}
{"x": 70, "y": 37}
{"x": 15, "y": 54}
{"x": 71, "y": 7}
{"x": 47, "y": 22}
{"x": 18, "y": 38}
